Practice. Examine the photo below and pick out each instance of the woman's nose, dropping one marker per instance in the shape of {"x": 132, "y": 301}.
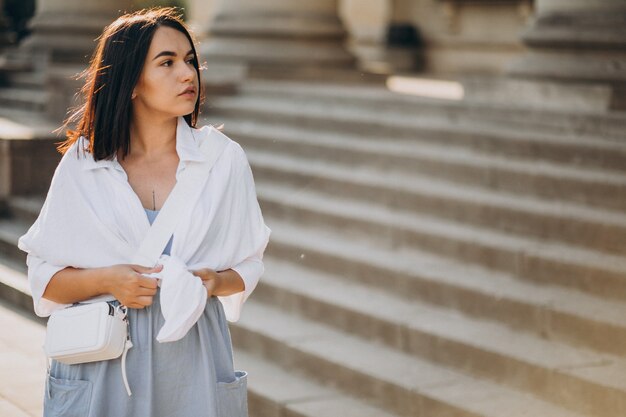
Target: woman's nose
{"x": 188, "y": 73}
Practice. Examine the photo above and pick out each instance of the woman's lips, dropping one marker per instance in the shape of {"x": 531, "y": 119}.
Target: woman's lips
{"x": 189, "y": 93}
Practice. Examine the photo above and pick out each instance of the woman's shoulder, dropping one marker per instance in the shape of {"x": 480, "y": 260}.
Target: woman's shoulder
{"x": 206, "y": 131}
{"x": 232, "y": 148}
{"x": 76, "y": 154}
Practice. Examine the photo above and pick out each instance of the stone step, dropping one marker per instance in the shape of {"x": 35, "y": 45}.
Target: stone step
{"x": 553, "y": 312}
{"x": 388, "y": 152}
{"x": 596, "y": 151}
{"x": 594, "y": 187}
{"x": 484, "y": 349}
{"x": 27, "y": 80}
{"x": 549, "y": 311}
{"x": 532, "y": 259}
{"x": 382, "y": 99}
{"x": 25, "y": 209}
{"x": 597, "y": 188}
{"x": 25, "y": 125}
{"x": 14, "y": 286}
{"x": 10, "y": 231}
{"x": 27, "y": 151}
{"x": 12, "y": 64}
{"x": 24, "y": 98}
{"x": 398, "y": 382}
{"x": 272, "y": 390}
{"x": 277, "y": 392}
{"x": 566, "y": 222}
{"x": 315, "y": 74}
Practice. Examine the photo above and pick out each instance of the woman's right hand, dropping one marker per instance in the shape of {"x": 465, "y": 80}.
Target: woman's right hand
{"x": 128, "y": 285}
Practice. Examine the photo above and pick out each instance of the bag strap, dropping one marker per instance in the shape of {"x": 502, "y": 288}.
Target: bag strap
{"x": 181, "y": 200}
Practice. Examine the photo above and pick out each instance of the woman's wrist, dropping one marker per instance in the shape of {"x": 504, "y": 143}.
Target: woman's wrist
{"x": 219, "y": 282}
{"x": 211, "y": 281}
{"x": 106, "y": 279}
{"x": 231, "y": 282}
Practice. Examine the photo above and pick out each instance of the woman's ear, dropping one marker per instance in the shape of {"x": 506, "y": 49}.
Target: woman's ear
{"x": 132, "y": 97}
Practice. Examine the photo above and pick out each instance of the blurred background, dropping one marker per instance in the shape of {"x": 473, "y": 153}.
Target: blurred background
{"x": 445, "y": 181}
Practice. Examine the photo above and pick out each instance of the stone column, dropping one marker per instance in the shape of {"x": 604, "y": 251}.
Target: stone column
{"x": 277, "y": 34}
{"x": 7, "y": 37}
{"x": 577, "y": 41}
{"x": 65, "y": 30}
{"x": 199, "y": 15}
{"x": 367, "y": 22}
{"x": 60, "y": 46}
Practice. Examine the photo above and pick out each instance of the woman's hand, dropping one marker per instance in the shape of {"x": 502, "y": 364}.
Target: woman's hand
{"x": 129, "y": 286}
{"x": 221, "y": 283}
{"x": 210, "y": 279}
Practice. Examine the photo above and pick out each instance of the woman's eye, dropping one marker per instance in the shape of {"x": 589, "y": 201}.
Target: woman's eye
{"x": 190, "y": 60}
{"x": 166, "y": 63}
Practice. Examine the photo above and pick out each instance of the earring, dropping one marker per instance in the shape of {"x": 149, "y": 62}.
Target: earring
{"x": 132, "y": 97}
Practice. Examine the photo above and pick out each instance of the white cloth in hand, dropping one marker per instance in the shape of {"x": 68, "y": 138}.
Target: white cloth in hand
{"x": 183, "y": 298}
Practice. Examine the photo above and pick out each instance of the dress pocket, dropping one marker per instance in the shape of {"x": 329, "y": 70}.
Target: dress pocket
{"x": 232, "y": 397}
{"x": 68, "y": 398}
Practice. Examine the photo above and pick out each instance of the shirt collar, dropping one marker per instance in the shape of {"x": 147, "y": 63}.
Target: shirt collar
{"x": 186, "y": 143}
{"x": 186, "y": 148}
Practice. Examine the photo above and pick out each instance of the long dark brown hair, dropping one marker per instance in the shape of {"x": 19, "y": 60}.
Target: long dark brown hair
{"x": 104, "y": 116}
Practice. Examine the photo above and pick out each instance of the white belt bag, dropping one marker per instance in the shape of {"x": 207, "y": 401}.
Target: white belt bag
{"x": 87, "y": 333}
{"x": 100, "y": 331}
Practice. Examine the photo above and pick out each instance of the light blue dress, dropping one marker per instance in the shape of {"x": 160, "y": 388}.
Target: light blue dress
{"x": 192, "y": 377}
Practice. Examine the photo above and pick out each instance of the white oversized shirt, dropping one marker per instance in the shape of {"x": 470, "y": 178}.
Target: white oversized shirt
{"x": 92, "y": 218}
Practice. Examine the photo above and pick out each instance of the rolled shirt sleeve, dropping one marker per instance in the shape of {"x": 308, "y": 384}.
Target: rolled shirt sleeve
{"x": 250, "y": 271}
{"x": 249, "y": 233}
{"x": 39, "y": 274}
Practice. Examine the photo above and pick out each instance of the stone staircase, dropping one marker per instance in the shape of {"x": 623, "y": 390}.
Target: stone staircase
{"x": 23, "y": 82}
{"x": 437, "y": 258}
{"x": 28, "y": 121}
{"x": 428, "y": 258}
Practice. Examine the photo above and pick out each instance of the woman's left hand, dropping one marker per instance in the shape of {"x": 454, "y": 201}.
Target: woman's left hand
{"x": 210, "y": 279}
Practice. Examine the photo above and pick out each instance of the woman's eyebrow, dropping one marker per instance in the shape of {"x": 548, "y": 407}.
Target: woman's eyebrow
{"x": 170, "y": 53}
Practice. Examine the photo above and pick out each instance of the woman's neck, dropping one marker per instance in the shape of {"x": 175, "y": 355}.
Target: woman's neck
{"x": 150, "y": 138}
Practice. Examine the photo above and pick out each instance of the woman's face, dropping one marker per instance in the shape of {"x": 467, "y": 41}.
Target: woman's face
{"x": 168, "y": 84}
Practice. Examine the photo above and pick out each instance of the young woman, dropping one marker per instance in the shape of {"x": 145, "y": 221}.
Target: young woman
{"x": 134, "y": 137}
